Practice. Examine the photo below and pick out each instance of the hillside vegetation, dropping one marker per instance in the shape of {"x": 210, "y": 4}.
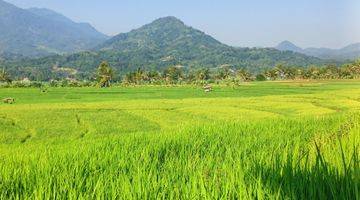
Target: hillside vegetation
{"x": 40, "y": 32}
{"x": 163, "y": 43}
{"x": 350, "y": 52}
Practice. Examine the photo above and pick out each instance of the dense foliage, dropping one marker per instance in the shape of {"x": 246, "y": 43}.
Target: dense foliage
{"x": 105, "y": 74}
{"x": 227, "y": 74}
{"x": 39, "y": 32}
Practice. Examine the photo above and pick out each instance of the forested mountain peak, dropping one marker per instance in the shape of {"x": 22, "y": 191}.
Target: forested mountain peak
{"x": 166, "y": 32}
{"x": 39, "y": 32}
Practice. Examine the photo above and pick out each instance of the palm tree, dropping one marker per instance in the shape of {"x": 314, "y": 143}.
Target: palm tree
{"x": 244, "y": 75}
{"x": 330, "y": 72}
{"x": 203, "y": 74}
{"x": 152, "y": 76}
{"x": 140, "y": 76}
{"x": 312, "y": 72}
{"x": 299, "y": 73}
{"x": 173, "y": 74}
{"x": 129, "y": 77}
{"x": 271, "y": 74}
{"x": 5, "y": 76}
{"x": 224, "y": 72}
{"x": 105, "y": 74}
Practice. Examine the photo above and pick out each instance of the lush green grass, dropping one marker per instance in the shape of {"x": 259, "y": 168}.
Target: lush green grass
{"x": 285, "y": 140}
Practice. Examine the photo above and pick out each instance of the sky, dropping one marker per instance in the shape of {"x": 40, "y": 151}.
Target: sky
{"x": 243, "y": 23}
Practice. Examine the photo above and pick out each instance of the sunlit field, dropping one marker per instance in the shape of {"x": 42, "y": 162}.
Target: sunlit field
{"x": 261, "y": 140}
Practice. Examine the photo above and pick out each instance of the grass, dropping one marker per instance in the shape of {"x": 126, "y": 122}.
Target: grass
{"x": 271, "y": 140}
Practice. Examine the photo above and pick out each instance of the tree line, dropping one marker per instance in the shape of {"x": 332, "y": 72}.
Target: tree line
{"x": 225, "y": 73}
{"x": 105, "y": 75}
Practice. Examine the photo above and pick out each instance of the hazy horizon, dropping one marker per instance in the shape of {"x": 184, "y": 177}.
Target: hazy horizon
{"x": 258, "y": 23}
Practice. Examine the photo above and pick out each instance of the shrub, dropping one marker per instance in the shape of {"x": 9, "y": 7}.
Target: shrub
{"x": 260, "y": 77}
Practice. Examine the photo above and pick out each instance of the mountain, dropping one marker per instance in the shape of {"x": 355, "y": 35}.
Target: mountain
{"x": 164, "y": 34}
{"x": 50, "y": 14}
{"x": 80, "y": 28}
{"x": 350, "y": 52}
{"x": 5, "y": 56}
{"x": 288, "y": 46}
{"x": 39, "y": 32}
{"x": 169, "y": 42}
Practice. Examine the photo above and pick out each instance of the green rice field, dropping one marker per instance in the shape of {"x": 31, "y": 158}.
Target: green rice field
{"x": 260, "y": 140}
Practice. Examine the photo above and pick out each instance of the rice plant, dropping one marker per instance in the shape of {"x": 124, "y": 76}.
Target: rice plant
{"x": 250, "y": 142}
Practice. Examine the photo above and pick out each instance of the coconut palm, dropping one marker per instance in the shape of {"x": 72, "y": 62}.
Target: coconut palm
{"x": 244, "y": 75}
{"x": 105, "y": 74}
{"x": 5, "y": 76}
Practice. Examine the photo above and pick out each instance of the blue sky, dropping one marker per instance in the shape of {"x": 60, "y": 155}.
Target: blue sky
{"x": 307, "y": 23}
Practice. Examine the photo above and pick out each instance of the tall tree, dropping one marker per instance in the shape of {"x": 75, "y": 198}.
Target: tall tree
{"x": 173, "y": 74}
{"x": 5, "y": 76}
{"x": 203, "y": 74}
{"x": 224, "y": 72}
{"x": 244, "y": 75}
{"x": 105, "y": 74}
{"x": 271, "y": 74}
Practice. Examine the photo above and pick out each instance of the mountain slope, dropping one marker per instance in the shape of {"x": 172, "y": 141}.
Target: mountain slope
{"x": 80, "y": 28}
{"x": 350, "y": 52}
{"x": 39, "y": 32}
{"x": 168, "y": 42}
{"x": 288, "y": 46}
{"x": 164, "y": 33}
{"x": 169, "y": 39}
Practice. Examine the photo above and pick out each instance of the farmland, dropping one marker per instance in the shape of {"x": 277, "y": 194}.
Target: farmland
{"x": 260, "y": 140}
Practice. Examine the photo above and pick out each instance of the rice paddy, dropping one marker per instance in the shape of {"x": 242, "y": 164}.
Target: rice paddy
{"x": 264, "y": 140}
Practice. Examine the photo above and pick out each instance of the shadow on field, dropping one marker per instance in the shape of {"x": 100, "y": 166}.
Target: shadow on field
{"x": 320, "y": 181}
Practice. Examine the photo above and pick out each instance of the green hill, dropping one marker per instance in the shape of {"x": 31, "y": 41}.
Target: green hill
{"x": 350, "y": 52}
{"x": 40, "y": 32}
{"x": 168, "y": 42}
